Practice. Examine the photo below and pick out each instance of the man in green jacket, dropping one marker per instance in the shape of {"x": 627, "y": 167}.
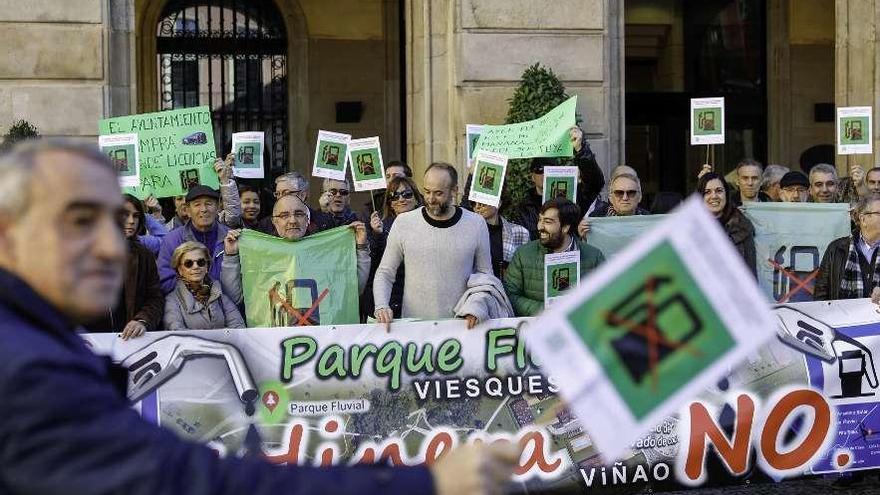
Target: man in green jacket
{"x": 557, "y": 225}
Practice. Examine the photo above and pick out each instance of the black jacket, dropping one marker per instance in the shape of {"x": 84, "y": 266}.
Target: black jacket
{"x": 592, "y": 180}
{"x": 830, "y": 274}
{"x": 742, "y": 233}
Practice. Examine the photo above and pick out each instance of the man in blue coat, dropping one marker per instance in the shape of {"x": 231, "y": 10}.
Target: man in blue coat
{"x": 66, "y": 424}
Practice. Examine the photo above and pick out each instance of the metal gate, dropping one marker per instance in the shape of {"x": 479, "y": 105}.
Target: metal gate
{"x": 232, "y": 56}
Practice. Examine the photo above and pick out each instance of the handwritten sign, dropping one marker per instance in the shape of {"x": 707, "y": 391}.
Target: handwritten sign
{"x": 545, "y": 136}
{"x": 176, "y": 149}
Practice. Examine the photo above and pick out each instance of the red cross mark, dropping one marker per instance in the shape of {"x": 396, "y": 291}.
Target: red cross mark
{"x": 302, "y": 319}
{"x": 650, "y": 332}
{"x": 798, "y": 283}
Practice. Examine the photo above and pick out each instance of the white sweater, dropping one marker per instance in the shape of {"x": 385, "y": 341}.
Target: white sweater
{"x": 438, "y": 261}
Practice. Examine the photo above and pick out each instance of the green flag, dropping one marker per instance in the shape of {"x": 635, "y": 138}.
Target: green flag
{"x": 312, "y": 281}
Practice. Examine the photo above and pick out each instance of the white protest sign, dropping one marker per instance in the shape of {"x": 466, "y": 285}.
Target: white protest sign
{"x": 562, "y": 272}
{"x": 707, "y": 121}
{"x": 652, "y": 328}
{"x": 560, "y": 182}
{"x": 367, "y": 167}
{"x": 124, "y": 152}
{"x": 331, "y": 155}
{"x": 247, "y": 149}
{"x": 855, "y": 134}
{"x": 488, "y": 178}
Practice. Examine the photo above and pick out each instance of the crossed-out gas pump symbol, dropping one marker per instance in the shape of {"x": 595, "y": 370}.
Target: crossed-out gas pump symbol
{"x": 797, "y": 282}
{"x": 284, "y": 313}
{"x": 645, "y": 345}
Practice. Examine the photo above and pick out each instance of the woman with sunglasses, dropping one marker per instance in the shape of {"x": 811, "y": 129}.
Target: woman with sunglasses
{"x": 401, "y": 195}
{"x": 716, "y": 196}
{"x": 197, "y": 303}
{"x": 140, "y": 304}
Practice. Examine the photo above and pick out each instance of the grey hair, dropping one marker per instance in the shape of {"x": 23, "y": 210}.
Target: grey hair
{"x": 302, "y": 184}
{"x": 823, "y": 168}
{"x": 772, "y": 175}
{"x": 17, "y": 167}
{"x": 326, "y": 183}
{"x": 864, "y": 201}
{"x": 634, "y": 178}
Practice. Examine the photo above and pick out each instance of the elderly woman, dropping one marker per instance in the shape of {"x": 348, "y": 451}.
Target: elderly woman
{"x": 140, "y": 304}
{"x": 197, "y": 303}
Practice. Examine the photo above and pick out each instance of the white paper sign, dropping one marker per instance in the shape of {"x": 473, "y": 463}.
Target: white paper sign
{"x": 331, "y": 155}
{"x": 707, "y": 121}
{"x": 652, "y": 328}
{"x": 560, "y": 182}
{"x": 488, "y": 178}
{"x": 124, "y": 152}
{"x": 472, "y": 134}
{"x": 367, "y": 167}
{"x": 247, "y": 149}
{"x": 855, "y": 134}
{"x": 562, "y": 272}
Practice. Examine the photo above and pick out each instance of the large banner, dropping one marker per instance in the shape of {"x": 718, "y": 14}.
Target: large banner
{"x": 788, "y": 254}
{"x": 320, "y": 395}
{"x": 790, "y": 240}
{"x": 312, "y": 281}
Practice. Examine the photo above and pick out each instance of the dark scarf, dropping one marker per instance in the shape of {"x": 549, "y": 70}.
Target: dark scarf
{"x": 200, "y": 290}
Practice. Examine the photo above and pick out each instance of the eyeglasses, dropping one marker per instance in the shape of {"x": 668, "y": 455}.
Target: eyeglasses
{"x": 286, "y": 215}
{"x": 538, "y": 170}
{"x": 620, "y": 194}
{"x": 338, "y": 192}
{"x": 199, "y": 262}
{"x": 395, "y": 196}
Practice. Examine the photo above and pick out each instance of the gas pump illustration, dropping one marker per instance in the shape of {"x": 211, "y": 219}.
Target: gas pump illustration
{"x": 561, "y": 279}
{"x": 559, "y": 189}
{"x": 852, "y": 129}
{"x": 246, "y": 155}
{"x": 159, "y": 361}
{"x": 120, "y": 160}
{"x": 785, "y": 274}
{"x": 706, "y": 120}
{"x": 487, "y": 178}
{"x": 189, "y": 178}
{"x": 285, "y": 314}
{"x": 365, "y": 164}
{"x": 330, "y": 154}
{"x": 853, "y": 365}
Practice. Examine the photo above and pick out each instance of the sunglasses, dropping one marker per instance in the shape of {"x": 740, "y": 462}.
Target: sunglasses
{"x": 620, "y": 193}
{"x": 538, "y": 170}
{"x": 401, "y": 195}
{"x": 200, "y": 262}
{"x": 338, "y": 192}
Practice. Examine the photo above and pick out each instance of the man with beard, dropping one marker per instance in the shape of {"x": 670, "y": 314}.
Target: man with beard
{"x": 290, "y": 218}
{"x": 67, "y": 423}
{"x": 524, "y": 279}
{"x": 441, "y": 245}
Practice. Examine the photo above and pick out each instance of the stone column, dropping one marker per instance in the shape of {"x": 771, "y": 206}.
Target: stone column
{"x": 855, "y": 62}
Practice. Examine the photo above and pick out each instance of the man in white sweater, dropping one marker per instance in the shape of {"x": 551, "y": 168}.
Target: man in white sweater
{"x": 441, "y": 246}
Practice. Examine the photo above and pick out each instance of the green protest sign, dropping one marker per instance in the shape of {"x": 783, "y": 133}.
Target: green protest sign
{"x": 562, "y": 272}
{"x": 854, "y": 130}
{"x": 296, "y": 283}
{"x": 176, "y": 149}
{"x": 544, "y": 136}
{"x": 560, "y": 182}
{"x": 247, "y": 150}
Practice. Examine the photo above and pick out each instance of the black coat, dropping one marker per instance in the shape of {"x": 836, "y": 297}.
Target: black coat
{"x": 830, "y": 274}
{"x": 742, "y": 233}
{"x": 67, "y": 426}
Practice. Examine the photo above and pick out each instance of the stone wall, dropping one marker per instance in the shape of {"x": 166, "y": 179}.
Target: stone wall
{"x": 52, "y": 66}
{"x": 466, "y": 57}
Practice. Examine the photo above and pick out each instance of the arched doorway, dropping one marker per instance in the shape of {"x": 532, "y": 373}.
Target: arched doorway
{"x": 232, "y": 56}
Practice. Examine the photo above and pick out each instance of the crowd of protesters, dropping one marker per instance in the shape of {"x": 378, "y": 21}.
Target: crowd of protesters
{"x": 429, "y": 253}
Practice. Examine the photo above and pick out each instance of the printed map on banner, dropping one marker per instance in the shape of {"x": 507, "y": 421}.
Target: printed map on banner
{"x": 654, "y": 326}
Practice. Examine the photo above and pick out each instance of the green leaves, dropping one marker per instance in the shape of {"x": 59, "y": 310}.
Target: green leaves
{"x": 19, "y": 131}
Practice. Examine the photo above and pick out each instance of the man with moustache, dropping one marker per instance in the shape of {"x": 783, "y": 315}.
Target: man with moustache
{"x": 290, "y": 218}
{"x": 524, "y": 279}
{"x": 442, "y": 245}
{"x": 67, "y": 425}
